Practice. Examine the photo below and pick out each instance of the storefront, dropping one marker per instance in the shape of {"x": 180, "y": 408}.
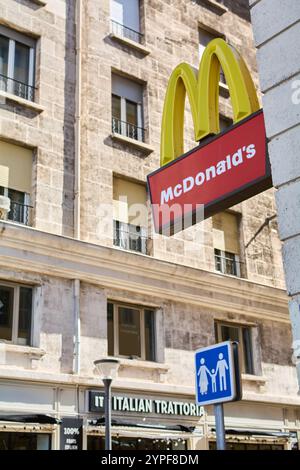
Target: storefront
{"x": 148, "y": 423}
{"x": 42, "y": 416}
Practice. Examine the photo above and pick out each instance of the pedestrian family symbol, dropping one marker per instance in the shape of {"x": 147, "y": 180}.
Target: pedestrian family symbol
{"x": 215, "y": 374}
{"x": 205, "y": 376}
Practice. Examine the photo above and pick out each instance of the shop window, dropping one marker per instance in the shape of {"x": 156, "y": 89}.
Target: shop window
{"x": 17, "y": 57}
{"x": 15, "y": 181}
{"x": 247, "y": 446}
{"x": 131, "y": 332}
{"x": 137, "y": 443}
{"x": 130, "y": 215}
{"x": 127, "y": 108}
{"x": 205, "y": 37}
{"x": 24, "y": 441}
{"x": 125, "y": 19}
{"x": 15, "y": 313}
{"x": 243, "y": 335}
{"x": 226, "y": 243}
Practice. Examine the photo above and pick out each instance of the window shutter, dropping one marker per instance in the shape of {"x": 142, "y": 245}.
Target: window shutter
{"x": 226, "y": 232}
{"x": 15, "y": 167}
{"x": 126, "y": 195}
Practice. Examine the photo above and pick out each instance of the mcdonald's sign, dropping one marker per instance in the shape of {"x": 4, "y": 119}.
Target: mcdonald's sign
{"x": 225, "y": 168}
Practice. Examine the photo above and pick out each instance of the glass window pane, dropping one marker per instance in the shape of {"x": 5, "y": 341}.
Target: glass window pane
{"x": 229, "y": 333}
{"x": 110, "y": 329}
{"x": 218, "y": 260}
{"x": 17, "y": 209}
{"x": 129, "y": 332}
{"x": 131, "y": 112}
{"x": 21, "y": 70}
{"x": 116, "y": 106}
{"x": 6, "y": 312}
{"x": 149, "y": 335}
{"x": 248, "y": 359}
{"x": 24, "y": 441}
{"x": 4, "y": 45}
{"x": 25, "y": 310}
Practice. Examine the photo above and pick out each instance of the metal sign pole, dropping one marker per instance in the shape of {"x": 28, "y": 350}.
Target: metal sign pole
{"x": 220, "y": 426}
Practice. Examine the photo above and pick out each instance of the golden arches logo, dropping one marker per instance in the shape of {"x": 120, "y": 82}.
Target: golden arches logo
{"x": 203, "y": 95}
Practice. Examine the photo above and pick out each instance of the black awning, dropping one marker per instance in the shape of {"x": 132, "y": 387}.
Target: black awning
{"x": 256, "y": 432}
{"x": 121, "y": 422}
{"x": 40, "y": 419}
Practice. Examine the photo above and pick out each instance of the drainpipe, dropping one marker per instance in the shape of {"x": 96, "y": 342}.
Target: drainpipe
{"x": 77, "y": 121}
{"x": 77, "y": 326}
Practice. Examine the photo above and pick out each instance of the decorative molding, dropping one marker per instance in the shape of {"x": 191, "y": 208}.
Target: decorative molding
{"x": 31, "y": 250}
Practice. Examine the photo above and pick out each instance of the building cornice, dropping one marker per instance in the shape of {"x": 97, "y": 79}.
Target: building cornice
{"x": 130, "y": 386}
{"x": 29, "y": 250}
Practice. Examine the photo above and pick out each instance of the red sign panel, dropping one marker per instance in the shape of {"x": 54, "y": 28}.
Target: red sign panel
{"x": 228, "y": 169}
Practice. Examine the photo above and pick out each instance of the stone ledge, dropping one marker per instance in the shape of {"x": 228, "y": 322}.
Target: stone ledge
{"x": 218, "y": 7}
{"x": 128, "y": 42}
{"x": 258, "y": 379}
{"x": 140, "y": 364}
{"x": 21, "y": 101}
{"x": 134, "y": 143}
{"x": 40, "y": 2}
{"x": 19, "y": 349}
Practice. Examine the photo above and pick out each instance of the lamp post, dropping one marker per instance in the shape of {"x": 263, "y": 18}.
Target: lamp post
{"x": 107, "y": 369}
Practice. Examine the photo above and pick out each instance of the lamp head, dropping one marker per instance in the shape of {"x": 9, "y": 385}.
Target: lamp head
{"x": 107, "y": 368}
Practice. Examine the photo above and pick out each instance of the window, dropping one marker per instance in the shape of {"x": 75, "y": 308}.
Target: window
{"x": 15, "y": 313}
{"x": 15, "y": 181}
{"x": 131, "y": 331}
{"x": 125, "y": 19}
{"x": 204, "y": 39}
{"x": 242, "y": 334}
{"x": 137, "y": 443}
{"x": 130, "y": 215}
{"x": 127, "y": 112}
{"x": 24, "y": 441}
{"x": 226, "y": 243}
{"x": 17, "y": 57}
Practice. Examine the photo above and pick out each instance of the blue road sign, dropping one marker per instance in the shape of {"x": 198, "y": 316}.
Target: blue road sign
{"x": 215, "y": 374}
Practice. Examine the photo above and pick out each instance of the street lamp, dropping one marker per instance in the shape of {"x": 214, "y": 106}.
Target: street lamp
{"x": 107, "y": 369}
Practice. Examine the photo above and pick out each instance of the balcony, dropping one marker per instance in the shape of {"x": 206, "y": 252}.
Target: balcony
{"x": 130, "y": 237}
{"x": 124, "y": 32}
{"x": 17, "y": 88}
{"x": 20, "y": 213}
{"x": 128, "y": 130}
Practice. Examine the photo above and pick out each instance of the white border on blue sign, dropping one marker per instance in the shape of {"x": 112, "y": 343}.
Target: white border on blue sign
{"x": 233, "y": 395}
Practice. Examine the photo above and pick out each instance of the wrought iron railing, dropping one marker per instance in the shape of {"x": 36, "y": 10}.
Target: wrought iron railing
{"x": 20, "y": 213}
{"x": 15, "y": 87}
{"x": 130, "y": 237}
{"x": 227, "y": 264}
{"x": 120, "y": 30}
{"x": 128, "y": 130}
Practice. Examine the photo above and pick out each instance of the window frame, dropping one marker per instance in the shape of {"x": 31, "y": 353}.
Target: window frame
{"x": 242, "y": 352}
{"x": 13, "y": 37}
{"x": 223, "y": 258}
{"x": 216, "y": 34}
{"x": 123, "y": 116}
{"x": 16, "y": 313}
{"x": 116, "y": 333}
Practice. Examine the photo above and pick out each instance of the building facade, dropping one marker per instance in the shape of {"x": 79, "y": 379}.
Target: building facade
{"x": 280, "y": 83}
{"x": 84, "y": 276}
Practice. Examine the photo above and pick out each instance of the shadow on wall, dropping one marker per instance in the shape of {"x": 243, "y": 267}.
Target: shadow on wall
{"x": 69, "y": 118}
{"x": 238, "y": 7}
